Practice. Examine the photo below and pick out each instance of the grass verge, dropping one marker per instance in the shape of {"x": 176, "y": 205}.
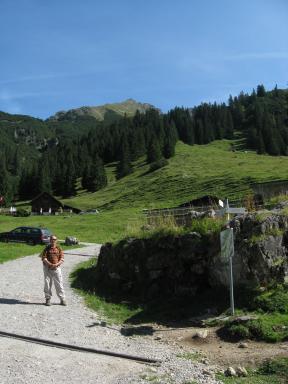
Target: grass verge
{"x": 11, "y": 251}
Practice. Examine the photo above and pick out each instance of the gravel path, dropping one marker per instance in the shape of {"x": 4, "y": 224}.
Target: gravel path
{"x": 22, "y": 312}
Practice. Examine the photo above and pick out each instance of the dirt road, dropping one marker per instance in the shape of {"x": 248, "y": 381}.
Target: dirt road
{"x": 22, "y": 311}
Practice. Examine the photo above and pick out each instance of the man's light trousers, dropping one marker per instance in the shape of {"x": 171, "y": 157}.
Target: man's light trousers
{"x": 50, "y": 276}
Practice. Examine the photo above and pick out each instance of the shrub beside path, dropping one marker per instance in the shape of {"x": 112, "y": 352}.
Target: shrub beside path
{"x": 22, "y": 312}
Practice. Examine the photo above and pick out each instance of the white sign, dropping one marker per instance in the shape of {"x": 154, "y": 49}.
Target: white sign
{"x": 236, "y": 210}
{"x": 221, "y": 203}
{"x": 227, "y": 243}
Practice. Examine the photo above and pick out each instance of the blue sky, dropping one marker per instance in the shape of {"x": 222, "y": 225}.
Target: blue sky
{"x": 63, "y": 54}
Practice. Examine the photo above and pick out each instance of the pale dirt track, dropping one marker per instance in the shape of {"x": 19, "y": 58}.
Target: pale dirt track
{"x": 22, "y": 311}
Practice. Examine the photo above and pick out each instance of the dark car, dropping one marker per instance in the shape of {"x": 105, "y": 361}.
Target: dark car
{"x": 30, "y": 235}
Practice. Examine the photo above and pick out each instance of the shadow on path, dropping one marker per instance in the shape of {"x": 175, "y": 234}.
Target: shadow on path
{"x": 14, "y": 301}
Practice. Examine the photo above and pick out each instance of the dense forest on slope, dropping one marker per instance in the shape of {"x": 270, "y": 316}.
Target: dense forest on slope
{"x": 51, "y": 155}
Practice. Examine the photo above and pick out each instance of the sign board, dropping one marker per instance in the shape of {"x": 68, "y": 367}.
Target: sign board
{"x": 236, "y": 210}
{"x": 227, "y": 243}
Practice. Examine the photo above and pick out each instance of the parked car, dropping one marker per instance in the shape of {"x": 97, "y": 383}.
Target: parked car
{"x": 29, "y": 235}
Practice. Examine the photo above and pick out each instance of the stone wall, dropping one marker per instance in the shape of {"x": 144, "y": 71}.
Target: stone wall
{"x": 187, "y": 264}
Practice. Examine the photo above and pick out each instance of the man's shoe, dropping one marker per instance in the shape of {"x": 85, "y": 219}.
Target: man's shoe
{"x": 63, "y": 302}
{"x": 48, "y": 302}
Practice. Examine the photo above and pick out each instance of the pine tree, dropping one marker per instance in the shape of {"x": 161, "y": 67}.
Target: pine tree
{"x": 44, "y": 179}
{"x": 86, "y": 176}
{"x": 69, "y": 177}
{"x": 170, "y": 139}
{"x": 260, "y": 144}
{"x": 5, "y": 190}
{"x": 261, "y": 90}
{"x": 124, "y": 166}
{"x": 153, "y": 151}
{"x": 97, "y": 178}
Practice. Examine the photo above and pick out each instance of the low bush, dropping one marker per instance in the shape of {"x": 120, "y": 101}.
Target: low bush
{"x": 270, "y": 328}
{"x": 277, "y": 366}
{"x": 207, "y": 225}
{"x": 275, "y": 300}
{"x": 22, "y": 212}
{"x": 239, "y": 331}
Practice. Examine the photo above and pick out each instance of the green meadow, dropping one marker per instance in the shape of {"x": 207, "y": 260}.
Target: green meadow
{"x": 13, "y": 251}
{"x": 193, "y": 172}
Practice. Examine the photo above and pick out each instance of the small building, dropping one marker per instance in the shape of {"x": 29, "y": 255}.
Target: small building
{"x": 48, "y": 204}
{"x": 205, "y": 202}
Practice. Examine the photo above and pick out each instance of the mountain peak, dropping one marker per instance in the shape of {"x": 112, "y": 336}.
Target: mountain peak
{"x": 107, "y": 112}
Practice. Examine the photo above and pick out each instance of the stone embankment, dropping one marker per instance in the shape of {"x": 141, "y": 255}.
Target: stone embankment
{"x": 182, "y": 265}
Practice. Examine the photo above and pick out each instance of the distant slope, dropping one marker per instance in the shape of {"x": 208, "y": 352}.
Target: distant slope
{"x": 107, "y": 112}
{"x": 193, "y": 172}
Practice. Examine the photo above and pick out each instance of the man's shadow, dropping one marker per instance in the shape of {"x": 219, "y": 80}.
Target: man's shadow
{"x": 14, "y": 301}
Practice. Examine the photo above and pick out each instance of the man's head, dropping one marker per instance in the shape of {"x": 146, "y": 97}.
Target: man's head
{"x": 53, "y": 239}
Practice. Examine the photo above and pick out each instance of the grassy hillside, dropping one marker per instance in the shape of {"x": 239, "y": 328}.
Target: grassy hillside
{"x": 193, "y": 172}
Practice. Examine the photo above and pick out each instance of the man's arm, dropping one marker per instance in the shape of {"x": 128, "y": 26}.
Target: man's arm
{"x": 44, "y": 258}
{"x": 61, "y": 258}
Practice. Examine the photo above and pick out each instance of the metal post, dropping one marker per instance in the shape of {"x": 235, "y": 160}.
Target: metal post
{"x": 231, "y": 276}
{"x": 227, "y": 210}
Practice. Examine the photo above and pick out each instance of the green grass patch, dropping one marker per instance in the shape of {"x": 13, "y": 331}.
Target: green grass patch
{"x": 270, "y": 372}
{"x": 254, "y": 239}
{"x": 11, "y": 251}
{"x": 271, "y": 328}
{"x": 271, "y": 311}
{"x": 274, "y": 299}
{"x": 166, "y": 226}
{"x": 193, "y": 356}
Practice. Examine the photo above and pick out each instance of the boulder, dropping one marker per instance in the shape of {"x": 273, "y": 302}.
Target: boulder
{"x": 71, "y": 240}
{"x": 230, "y": 372}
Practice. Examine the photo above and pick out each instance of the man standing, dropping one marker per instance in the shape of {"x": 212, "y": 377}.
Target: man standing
{"x": 52, "y": 258}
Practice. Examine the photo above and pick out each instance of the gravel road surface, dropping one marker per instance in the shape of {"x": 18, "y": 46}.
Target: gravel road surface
{"x": 22, "y": 312}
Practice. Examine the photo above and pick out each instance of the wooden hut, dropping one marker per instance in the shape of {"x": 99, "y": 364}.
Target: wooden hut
{"x": 47, "y": 204}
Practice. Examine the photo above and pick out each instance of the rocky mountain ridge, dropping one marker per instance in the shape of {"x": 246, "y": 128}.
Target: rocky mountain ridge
{"x": 107, "y": 112}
